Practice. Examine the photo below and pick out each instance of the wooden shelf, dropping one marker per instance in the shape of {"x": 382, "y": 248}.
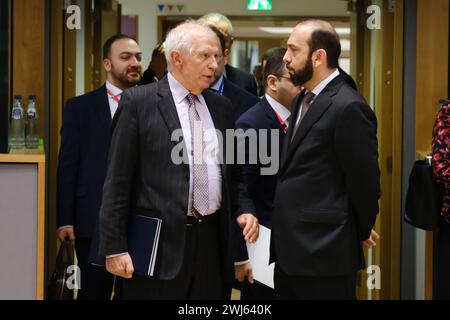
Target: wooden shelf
{"x": 28, "y": 157}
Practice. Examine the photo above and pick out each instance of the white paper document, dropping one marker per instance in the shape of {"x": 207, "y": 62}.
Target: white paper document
{"x": 258, "y": 254}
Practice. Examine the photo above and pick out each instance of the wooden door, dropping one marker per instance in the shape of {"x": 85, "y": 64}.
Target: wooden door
{"x": 379, "y": 75}
{"x": 69, "y": 56}
{"x": 107, "y": 21}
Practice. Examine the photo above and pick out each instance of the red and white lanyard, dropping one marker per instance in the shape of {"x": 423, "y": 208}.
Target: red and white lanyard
{"x": 283, "y": 124}
{"x": 112, "y": 95}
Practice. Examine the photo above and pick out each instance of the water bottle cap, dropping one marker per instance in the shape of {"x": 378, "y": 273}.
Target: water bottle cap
{"x": 32, "y": 97}
{"x": 18, "y": 96}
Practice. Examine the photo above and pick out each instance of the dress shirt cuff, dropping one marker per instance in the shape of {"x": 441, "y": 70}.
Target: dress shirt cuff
{"x": 116, "y": 255}
{"x": 239, "y": 263}
{"x": 65, "y": 227}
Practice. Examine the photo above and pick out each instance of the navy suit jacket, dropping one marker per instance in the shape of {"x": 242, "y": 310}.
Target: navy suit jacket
{"x": 85, "y": 139}
{"x": 242, "y": 79}
{"x": 240, "y": 99}
{"x": 261, "y": 188}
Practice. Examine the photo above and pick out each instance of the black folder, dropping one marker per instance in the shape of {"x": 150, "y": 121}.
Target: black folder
{"x": 143, "y": 239}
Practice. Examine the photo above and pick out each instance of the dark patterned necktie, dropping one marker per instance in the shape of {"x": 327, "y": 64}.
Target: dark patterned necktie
{"x": 200, "y": 188}
{"x": 306, "y": 102}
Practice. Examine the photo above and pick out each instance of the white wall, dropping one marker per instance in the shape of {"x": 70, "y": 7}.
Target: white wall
{"x": 148, "y": 12}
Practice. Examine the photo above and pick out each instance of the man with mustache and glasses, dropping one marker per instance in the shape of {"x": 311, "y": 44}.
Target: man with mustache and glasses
{"x": 326, "y": 200}
{"x": 85, "y": 139}
{"x": 270, "y": 115}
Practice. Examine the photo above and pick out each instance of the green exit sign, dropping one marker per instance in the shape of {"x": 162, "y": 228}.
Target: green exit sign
{"x": 259, "y": 5}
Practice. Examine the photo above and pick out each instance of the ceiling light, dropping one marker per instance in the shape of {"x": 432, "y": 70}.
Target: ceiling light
{"x": 276, "y": 30}
{"x": 342, "y": 31}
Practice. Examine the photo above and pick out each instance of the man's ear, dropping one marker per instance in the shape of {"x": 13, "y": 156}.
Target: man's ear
{"x": 226, "y": 53}
{"x": 228, "y": 44}
{"x": 176, "y": 58}
{"x": 319, "y": 58}
{"x": 107, "y": 64}
{"x": 272, "y": 82}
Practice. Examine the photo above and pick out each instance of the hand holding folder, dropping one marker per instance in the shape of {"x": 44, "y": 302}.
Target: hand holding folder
{"x": 120, "y": 265}
{"x": 143, "y": 239}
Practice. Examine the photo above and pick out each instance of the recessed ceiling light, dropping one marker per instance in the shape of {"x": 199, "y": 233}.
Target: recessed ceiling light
{"x": 276, "y": 30}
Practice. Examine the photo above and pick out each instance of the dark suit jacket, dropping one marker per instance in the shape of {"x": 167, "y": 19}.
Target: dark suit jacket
{"x": 326, "y": 199}
{"x": 147, "y": 77}
{"x": 242, "y": 79}
{"x": 142, "y": 175}
{"x": 85, "y": 138}
{"x": 240, "y": 99}
{"x": 260, "y": 188}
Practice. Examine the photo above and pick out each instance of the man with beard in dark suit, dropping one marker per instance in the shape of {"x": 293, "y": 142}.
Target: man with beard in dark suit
{"x": 85, "y": 138}
{"x": 326, "y": 200}
{"x": 271, "y": 115}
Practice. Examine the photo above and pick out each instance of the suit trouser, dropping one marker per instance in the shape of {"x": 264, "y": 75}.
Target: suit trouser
{"x": 96, "y": 282}
{"x": 200, "y": 276}
{"x": 442, "y": 269}
{"x": 256, "y": 291}
{"x": 314, "y": 288}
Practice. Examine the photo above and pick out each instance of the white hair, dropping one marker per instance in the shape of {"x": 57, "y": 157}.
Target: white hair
{"x": 182, "y": 38}
{"x": 219, "y": 21}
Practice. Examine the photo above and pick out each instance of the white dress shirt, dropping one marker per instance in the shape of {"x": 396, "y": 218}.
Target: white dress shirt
{"x": 113, "y": 104}
{"x": 179, "y": 94}
{"x": 279, "y": 109}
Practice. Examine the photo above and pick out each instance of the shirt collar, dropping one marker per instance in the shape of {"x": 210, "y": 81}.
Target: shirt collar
{"x": 218, "y": 83}
{"x": 179, "y": 92}
{"x": 282, "y": 111}
{"x": 116, "y": 91}
{"x": 318, "y": 89}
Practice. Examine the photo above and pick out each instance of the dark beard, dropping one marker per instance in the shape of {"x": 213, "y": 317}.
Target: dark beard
{"x": 123, "y": 78}
{"x": 300, "y": 77}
